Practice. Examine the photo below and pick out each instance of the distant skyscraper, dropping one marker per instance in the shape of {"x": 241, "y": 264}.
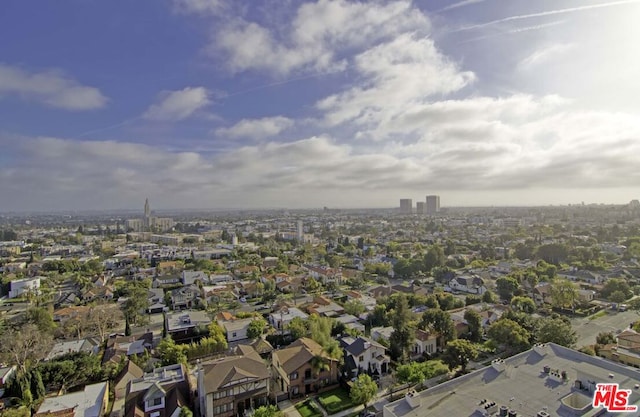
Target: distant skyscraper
{"x": 421, "y": 207}
{"x": 406, "y": 206}
{"x": 149, "y": 223}
{"x": 433, "y": 204}
{"x": 300, "y": 232}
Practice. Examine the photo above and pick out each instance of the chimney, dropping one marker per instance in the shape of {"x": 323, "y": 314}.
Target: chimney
{"x": 543, "y": 413}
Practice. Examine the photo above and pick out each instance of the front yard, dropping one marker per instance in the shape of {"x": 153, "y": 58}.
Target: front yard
{"x": 308, "y": 409}
{"x": 335, "y": 400}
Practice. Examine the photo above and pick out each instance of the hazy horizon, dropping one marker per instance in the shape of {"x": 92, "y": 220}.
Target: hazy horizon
{"x": 222, "y": 104}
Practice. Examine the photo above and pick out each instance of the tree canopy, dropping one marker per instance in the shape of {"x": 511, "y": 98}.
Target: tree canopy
{"x": 363, "y": 389}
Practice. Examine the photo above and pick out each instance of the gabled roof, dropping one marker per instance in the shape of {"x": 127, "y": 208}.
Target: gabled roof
{"x": 130, "y": 369}
{"x": 298, "y": 353}
{"x": 245, "y": 364}
{"x": 361, "y": 345}
{"x": 154, "y": 391}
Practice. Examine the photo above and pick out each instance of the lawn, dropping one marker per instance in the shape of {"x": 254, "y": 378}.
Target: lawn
{"x": 335, "y": 400}
{"x": 598, "y": 314}
{"x": 308, "y": 409}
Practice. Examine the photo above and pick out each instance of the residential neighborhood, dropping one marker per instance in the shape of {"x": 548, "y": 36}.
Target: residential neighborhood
{"x": 232, "y": 316}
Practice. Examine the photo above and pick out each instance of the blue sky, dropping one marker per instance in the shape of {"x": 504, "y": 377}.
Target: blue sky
{"x": 284, "y": 103}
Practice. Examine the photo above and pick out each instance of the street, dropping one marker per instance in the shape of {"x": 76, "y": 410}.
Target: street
{"x": 587, "y": 330}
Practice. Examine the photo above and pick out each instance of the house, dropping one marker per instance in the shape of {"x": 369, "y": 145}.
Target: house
{"x": 627, "y": 350}
{"x": 542, "y": 293}
{"x": 187, "y": 326}
{"x": 119, "y": 346}
{"x": 469, "y": 284}
{"x": 161, "y": 393}
{"x": 426, "y": 343}
{"x": 302, "y": 368}
{"x": 88, "y": 345}
{"x": 190, "y": 277}
{"x": 586, "y": 296}
{"x": 324, "y": 274}
{"x": 167, "y": 280}
{"x": 90, "y": 402}
{"x": 323, "y": 306}
{"x": 281, "y": 318}
{"x": 378, "y": 333}
{"x": 236, "y": 329}
{"x": 363, "y": 355}
{"x": 185, "y": 297}
{"x": 156, "y": 301}
{"x": 232, "y": 385}
{"x": 351, "y": 322}
{"x": 70, "y": 313}
{"x": 21, "y": 287}
{"x": 130, "y": 372}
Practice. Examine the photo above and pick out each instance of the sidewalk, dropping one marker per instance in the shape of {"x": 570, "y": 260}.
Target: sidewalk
{"x": 288, "y": 409}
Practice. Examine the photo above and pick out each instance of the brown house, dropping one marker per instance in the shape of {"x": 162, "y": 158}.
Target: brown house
{"x": 302, "y": 368}
{"x": 234, "y": 384}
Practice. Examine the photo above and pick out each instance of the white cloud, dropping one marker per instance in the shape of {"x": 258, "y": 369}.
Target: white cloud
{"x": 203, "y": 7}
{"x": 495, "y": 146}
{"x": 51, "y": 88}
{"x": 542, "y": 55}
{"x": 396, "y": 77}
{"x": 315, "y": 36}
{"x": 256, "y": 128}
{"x": 178, "y": 105}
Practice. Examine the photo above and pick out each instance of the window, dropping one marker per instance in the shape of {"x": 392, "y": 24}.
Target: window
{"x": 295, "y": 390}
{"x": 293, "y": 376}
{"x": 156, "y": 401}
{"x": 234, "y": 334}
{"x": 361, "y": 358}
{"x": 307, "y": 373}
{"x": 373, "y": 355}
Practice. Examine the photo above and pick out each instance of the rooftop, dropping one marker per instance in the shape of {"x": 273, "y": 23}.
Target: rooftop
{"x": 526, "y": 383}
{"x": 85, "y": 403}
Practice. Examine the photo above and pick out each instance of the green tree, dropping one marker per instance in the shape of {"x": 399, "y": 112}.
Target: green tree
{"x": 459, "y": 352}
{"x": 434, "y": 258}
{"x": 524, "y": 304}
{"x": 556, "y": 330}
{"x": 506, "y": 287}
{"x": 354, "y": 307}
{"x": 439, "y": 321}
{"x": 256, "y": 328}
{"x": 489, "y": 297}
{"x": 171, "y": 353}
{"x": 474, "y": 321}
{"x": 416, "y": 372}
{"x": 185, "y": 412}
{"x": 605, "y": 338}
{"x": 509, "y": 334}
{"x": 403, "y": 335}
{"x": 41, "y": 317}
{"x": 564, "y": 293}
{"x": 363, "y": 390}
{"x": 553, "y": 253}
{"x": 297, "y": 327}
{"x": 617, "y": 297}
{"x": 616, "y": 284}
{"x": 267, "y": 411}
{"x": 25, "y": 347}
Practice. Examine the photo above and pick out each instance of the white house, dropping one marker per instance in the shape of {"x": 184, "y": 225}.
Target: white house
{"x": 281, "y": 319}
{"x": 425, "y": 342}
{"x": 21, "y": 286}
{"x": 468, "y": 284}
{"x": 365, "y": 355}
{"x": 236, "y": 329}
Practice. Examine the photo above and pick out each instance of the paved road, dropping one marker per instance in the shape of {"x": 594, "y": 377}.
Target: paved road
{"x": 588, "y": 329}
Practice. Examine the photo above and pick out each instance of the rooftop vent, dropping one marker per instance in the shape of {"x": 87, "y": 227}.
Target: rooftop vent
{"x": 513, "y": 413}
{"x": 543, "y": 413}
{"x": 540, "y": 348}
{"x": 412, "y": 398}
{"x": 504, "y": 410}
{"x": 498, "y": 364}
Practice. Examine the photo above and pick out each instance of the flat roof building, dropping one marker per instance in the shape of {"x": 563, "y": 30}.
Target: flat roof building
{"x": 548, "y": 380}
{"x": 433, "y": 204}
{"x": 406, "y": 205}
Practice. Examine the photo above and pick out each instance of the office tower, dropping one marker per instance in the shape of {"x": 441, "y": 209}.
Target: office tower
{"x": 421, "y": 207}
{"x": 300, "y": 232}
{"x": 406, "y": 206}
{"x": 433, "y": 204}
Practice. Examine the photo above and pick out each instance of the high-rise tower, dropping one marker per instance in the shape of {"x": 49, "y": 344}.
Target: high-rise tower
{"x": 433, "y": 204}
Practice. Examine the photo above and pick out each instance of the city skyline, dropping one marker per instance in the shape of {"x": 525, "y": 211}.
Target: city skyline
{"x": 210, "y": 104}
